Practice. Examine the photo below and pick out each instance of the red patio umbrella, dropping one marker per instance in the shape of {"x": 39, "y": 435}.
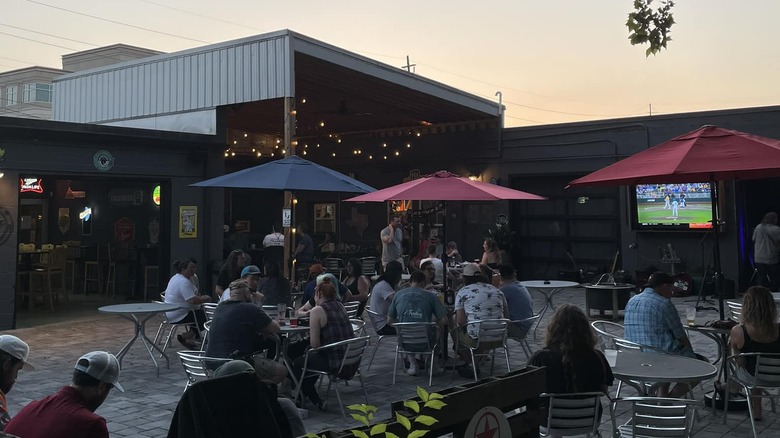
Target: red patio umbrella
{"x": 444, "y": 186}
{"x": 707, "y": 154}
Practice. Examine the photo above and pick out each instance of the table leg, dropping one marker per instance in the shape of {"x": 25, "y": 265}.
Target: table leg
{"x": 548, "y": 297}
{"x": 130, "y": 343}
{"x": 615, "y": 311}
{"x": 140, "y": 331}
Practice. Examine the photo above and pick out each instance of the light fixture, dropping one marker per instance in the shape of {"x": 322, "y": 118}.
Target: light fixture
{"x": 304, "y": 152}
{"x": 246, "y": 135}
{"x": 475, "y": 177}
{"x": 259, "y": 154}
{"x": 232, "y": 154}
{"x": 295, "y": 200}
{"x": 397, "y": 153}
{"x": 303, "y": 100}
{"x": 334, "y": 154}
{"x": 322, "y": 124}
{"x": 408, "y": 145}
{"x": 582, "y": 199}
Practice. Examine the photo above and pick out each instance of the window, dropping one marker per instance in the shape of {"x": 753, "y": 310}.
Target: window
{"x": 37, "y": 92}
{"x": 10, "y": 95}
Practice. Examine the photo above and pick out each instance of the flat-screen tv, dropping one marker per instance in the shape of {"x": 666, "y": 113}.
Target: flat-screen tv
{"x": 672, "y": 207}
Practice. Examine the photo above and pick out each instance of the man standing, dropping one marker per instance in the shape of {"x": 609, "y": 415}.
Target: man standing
{"x": 13, "y": 357}
{"x": 518, "y": 300}
{"x": 415, "y": 304}
{"x": 71, "y": 411}
{"x": 240, "y": 328}
{"x": 304, "y": 252}
{"x": 275, "y": 238}
{"x": 477, "y": 300}
{"x": 652, "y": 320}
{"x": 392, "y": 238}
{"x": 251, "y": 274}
{"x": 766, "y": 250}
{"x": 273, "y": 245}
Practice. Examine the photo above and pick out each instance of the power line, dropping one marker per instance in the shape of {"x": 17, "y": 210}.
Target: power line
{"x": 47, "y": 34}
{"x": 203, "y": 16}
{"x": 118, "y": 22}
{"x": 37, "y": 41}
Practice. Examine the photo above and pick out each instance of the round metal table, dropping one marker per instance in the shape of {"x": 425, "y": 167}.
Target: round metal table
{"x": 548, "y": 288}
{"x": 658, "y": 367}
{"x": 139, "y": 313}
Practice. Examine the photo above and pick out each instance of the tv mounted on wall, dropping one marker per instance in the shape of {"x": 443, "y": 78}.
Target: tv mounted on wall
{"x": 671, "y": 207}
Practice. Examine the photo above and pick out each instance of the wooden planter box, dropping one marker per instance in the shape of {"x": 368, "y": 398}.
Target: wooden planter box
{"x": 516, "y": 394}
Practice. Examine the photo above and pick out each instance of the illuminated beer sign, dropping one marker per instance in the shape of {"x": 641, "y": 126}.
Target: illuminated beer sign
{"x": 34, "y": 185}
{"x": 156, "y": 195}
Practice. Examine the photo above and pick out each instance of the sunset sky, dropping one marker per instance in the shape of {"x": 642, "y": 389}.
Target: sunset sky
{"x": 554, "y": 61}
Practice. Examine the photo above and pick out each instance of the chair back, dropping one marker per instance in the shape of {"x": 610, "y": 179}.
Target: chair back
{"x": 658, "y": 417}
{"x": 533, "y": 320}
{"x": 58, "y": 257}
{"x": 492, "y": 330}
{"x": 333, "y": 266}
{"x": 198, "y": 366}
{"x": 369, "y": 265}
{"x": 358, "y": 326}
{"x": 47, "y": 247}
{"x": 414, "y": 337}
{"x": 624, "y": 345}
{"x": 572, "y": 414}
{"x": 353, "y": 354}
{"x": 208, "y": 309}
{"x": 352, "y": 308}
{"x": 608, "y": 331}
{"x": 767, "y": 370}
{"x": 736, "y": 310}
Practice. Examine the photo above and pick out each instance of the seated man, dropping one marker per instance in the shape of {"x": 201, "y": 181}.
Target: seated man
{"x": 518, "y": 300}
{"x": 651, "y": 319}
{"x": 415, "y": 304}
{"x": 437, "y": 263}
{"x": 13, "y": 358}
{"x": 251, "y": 274}
{"x": 477, "y": 300}
{"x": 315, "y": 270}
{"x": 241, "y": 328}
{"x": 71, "y": 411}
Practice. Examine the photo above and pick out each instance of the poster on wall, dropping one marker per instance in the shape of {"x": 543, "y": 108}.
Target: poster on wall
{"x": 188, "y": 222}
{"x": 63, "y": 219}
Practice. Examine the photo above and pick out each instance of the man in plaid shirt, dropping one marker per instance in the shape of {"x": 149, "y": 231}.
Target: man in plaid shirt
{"x": 652, "y": 320}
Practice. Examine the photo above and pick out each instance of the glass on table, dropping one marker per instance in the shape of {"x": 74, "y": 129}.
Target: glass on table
{"x": 690, "y": 315}
{"x": 293, "y": 318}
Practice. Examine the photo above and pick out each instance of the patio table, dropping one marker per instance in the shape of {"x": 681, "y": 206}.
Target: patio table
{"x": 658, "y": 367}
{"x": 286, "y": 333}
{"x": 139, "y": 313}
{"x": 548, "y": 288}
{"x": 721, "y": 338}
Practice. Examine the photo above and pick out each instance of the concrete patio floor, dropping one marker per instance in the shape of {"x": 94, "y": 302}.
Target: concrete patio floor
{"x": 146, "y": 408}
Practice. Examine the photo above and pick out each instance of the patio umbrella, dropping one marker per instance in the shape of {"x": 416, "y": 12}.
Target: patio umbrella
{"x": 444, "y": 186}
{"x": 293, "y": 174}
{"x": 708, "y": 154}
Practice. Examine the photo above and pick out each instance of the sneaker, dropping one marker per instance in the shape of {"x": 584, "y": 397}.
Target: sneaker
{"x": 412, "y": 371}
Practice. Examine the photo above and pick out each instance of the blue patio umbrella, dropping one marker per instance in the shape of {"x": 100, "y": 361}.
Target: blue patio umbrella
{"x": 292, "y": 173}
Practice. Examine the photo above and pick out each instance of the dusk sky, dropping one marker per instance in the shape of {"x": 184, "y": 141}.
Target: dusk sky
{"x": 554, "y": 61}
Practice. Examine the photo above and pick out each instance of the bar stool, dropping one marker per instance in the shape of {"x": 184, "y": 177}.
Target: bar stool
{"x": 111, "y": 274}
{"x": 92, "y": 273}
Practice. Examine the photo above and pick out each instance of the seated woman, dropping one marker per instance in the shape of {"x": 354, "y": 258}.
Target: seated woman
{"x": 453, "y": 255}
{"x": 274, "y": 287}
{"x": 329, "y": 323}
{"x": 758, "y": 333}
{"x": 342, "y": 293}
{"x": 357, "y": 283}
{"x": 570, "y": 355}
{"x": 181, "y": 291}
{"x": 490, "y": 257}
{"x": 429, "y": 269}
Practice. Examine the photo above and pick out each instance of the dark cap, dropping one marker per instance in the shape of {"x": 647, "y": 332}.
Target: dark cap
{"x": 658, "y": 279}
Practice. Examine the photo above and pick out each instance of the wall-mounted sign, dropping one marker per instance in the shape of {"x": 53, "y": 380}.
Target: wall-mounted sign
{"x": 86, "y": 215}
{"x": 123, "y": 197}
{"x": 156, "y": 195}
{"x": 286, "y": 217}
{"x": 103, "y": 160}
{"x": 63, "y": 219}
{"x": 124, "y": 230}
{"x": 188, "y": 222}
{"x": 86, "y": 221}
{"x": 75, "y": 194}
{"x": 34, "y": 185}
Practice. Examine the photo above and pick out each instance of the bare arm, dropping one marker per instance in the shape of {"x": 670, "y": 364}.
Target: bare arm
{"x": 199, "y": 299}
{"x": 272, "y": 328}
{"x": 388, "y": 237}
{"x": 305, "y": 309}
{"x": 318, "y": 320}
{"x": 460, "y": 317}
{"x": 484, "y": 258}
{"x": 362, "y": 285}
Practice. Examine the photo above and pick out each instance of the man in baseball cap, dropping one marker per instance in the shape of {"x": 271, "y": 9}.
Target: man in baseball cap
{"x": 252, "y": 274}
{"x": 71, "y": 411}
{"x": 13, "y": 357}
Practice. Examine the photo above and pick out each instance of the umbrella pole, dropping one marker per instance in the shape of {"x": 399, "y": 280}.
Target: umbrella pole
{"x": 717, "y": 277}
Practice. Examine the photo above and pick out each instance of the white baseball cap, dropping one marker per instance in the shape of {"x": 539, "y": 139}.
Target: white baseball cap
{"x": 16, "y": 348}
{"x": 101, "y": 365}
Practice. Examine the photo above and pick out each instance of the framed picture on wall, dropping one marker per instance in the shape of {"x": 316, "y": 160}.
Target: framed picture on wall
{"x": 324, "y": 218}
{"x": 188, "y": 222}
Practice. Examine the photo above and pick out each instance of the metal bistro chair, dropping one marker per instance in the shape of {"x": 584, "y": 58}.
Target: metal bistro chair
{"x": 197, "y": 366}
{"x": 608, "y": 331}
{"x": 492, "y": 332}
{"x": 334, "y": 266}
{"x": 572, "y": 414}
{"x": 414, "y": 338}
{"x": 656, "y": 417}
{"x": 208, "y": 309}
{"x": 172, "y": 327}
{"x": 353, "y": 354}
{"x": 206, "y": 329}
{"x": 378, "y": 341}
{"x": 358, "y": 326}
{"x": 736, "y": 311}
{"x": 352, "y": 308}
{"x": 523, "y": 340}
{"x": 766, "y": 378}
{"x": 369, "y": 266}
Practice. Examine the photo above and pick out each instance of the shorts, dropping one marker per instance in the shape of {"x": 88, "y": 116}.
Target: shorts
{"x": 465, "y": 340}
{"x": 262, "y": 365}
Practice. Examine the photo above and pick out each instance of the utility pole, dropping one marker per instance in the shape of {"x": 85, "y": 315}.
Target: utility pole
{"x": 650, "y": 108}
{"x": 409, "y": 67}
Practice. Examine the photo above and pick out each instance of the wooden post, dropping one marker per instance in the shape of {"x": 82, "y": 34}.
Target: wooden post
{"x": 289, "y": 150}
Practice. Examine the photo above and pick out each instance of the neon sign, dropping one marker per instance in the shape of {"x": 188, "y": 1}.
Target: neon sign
{"x": 34, "y": 185}
{"x": 86, "y": 214}
{"x": 156, "y": 195}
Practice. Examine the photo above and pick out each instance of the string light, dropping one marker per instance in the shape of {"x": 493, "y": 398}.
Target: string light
{"x": 384, "y": 145}
{"x": 304, "y": 152}
{"x": 397, "y": 153}
{"x": 235, "y": 141}
{"x": 322, "y": 124}
{"x": 232, "y": 154}
{"x": 334, "y": 154}
{"x": 370, "y": 157}
{"x": 384, "y": 157}
{"x": 408, "y": 145}
{"x": 259, "y": 154}
{"x": 303, "y": 100}
{"x": 246, "y": 135}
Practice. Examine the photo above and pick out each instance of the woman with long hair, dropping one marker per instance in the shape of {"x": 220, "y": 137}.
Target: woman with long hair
{"x": 570, "y": 355}
{"x": 357, "y": 283}
{"x": 231, "y": 270}
{"x": 490, "y": 257}
{"x": 759, "y": 332}
{"x": 429, "y": 269}
{"x": 382, "y": 295}
{"x": 274, "y": 287}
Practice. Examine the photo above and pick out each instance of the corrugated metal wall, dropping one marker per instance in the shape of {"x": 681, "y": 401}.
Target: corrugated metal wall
{"x": 244, "y": 72}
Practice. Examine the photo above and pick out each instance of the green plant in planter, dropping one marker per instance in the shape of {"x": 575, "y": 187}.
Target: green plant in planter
{"x": 365, "y": 413}
{"x": 504, "y": 236}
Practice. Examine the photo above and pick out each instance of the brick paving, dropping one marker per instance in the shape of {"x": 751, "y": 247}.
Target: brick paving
{"x": 146, "y": 408}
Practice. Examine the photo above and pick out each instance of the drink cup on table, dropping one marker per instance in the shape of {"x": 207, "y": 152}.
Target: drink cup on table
{"x": 611, "y": 356}
{"x": 690, "y": 315}
{"x": 281, "y": 309}
{"x": 294, "y": 318}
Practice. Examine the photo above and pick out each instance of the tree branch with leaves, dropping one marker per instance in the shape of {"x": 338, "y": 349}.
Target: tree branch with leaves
{"x": 647, "y": 25}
